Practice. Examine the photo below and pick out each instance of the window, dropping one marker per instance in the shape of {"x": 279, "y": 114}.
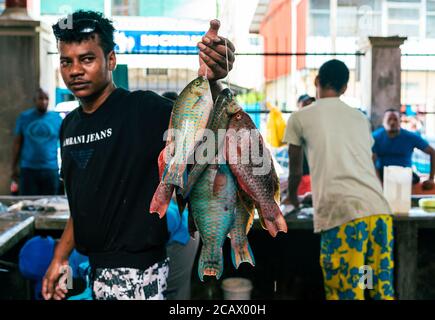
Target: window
{"x": 320, "y": 18}
{"x": 430, "y": 18}
{"x": 156, "y": 72}
{"x": 2, "y": 5}
{"x": 60, "y": 7}
{"x": 359, "y": 17}
{"x": 254, "y": 41}
{"x": 404, "y": 18}
{"x": 125, "y": 7}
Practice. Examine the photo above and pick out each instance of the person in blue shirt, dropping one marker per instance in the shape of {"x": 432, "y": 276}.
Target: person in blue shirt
{"x": 394, "y": 147}
{"x": 35, "y": 149}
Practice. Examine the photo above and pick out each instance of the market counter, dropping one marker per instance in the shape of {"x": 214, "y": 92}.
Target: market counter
{"x": 14, "y": 227}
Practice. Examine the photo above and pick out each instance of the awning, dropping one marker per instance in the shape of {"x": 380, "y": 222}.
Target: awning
{"x": 260, "y": 12}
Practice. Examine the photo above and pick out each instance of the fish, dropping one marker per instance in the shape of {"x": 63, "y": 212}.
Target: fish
{"x": 224, "y": 107}
{"x": 244, "y": 218}
{"x": 260, "y": 183}
{"x": 163, "y": 194}
{"x": 189, "y": 118}
{"x": 212, "y": 203}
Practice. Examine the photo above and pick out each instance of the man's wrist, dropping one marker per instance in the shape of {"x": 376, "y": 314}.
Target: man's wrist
{"x": 60, "y": 255}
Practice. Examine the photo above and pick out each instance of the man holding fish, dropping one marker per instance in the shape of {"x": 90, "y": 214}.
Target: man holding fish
{"x": 110, "y": 146}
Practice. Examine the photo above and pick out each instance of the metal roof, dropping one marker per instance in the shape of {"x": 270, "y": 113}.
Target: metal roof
{"x": 259, "y": 14}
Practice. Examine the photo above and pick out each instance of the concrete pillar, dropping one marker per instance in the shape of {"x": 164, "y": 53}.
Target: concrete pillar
{"x": 380, "y": 75}
{"x": 15, "y": 9}
{"x": 21, "y": 42}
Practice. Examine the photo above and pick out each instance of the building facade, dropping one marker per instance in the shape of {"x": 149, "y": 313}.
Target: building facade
{"x": 323, "y": 27}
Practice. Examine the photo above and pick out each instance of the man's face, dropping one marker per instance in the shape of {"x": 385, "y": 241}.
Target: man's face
{"x": 41, "y": 102}
{"x": 392, "y": 121}
{"x": 84, "y": 67}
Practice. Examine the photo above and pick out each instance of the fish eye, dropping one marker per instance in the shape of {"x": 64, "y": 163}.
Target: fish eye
{"x": 197, "y": 83}
{"x": 239, "y": 116}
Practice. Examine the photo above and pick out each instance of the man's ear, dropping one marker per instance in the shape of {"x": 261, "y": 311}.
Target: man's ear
{"x": 112, "y": 60}
{"x": 316, "y": 81}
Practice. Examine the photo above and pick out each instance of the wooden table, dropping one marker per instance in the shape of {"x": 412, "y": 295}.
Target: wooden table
{"x": 406, "y": 242}
{"x": 16, "y": 226}
{"x": 13, "y": 229}
{"x": 51, "y": 221}
{"x": 406, "y": 238}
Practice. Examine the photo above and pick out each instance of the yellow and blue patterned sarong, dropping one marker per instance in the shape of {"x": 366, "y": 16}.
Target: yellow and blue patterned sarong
{"x": 357, "y": 253}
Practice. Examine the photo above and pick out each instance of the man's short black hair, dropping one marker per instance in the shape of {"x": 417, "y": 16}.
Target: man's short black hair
{"x": 41, "y": 92}
{"x": 82, "y": 22}
{"x": 333, "y": 75}
{"x": 306, "y": 97}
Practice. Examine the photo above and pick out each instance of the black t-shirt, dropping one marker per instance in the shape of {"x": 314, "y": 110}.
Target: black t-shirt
{"x": 109, "y": 165}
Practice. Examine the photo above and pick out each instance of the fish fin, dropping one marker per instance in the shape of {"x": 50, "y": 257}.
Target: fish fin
{"x": 161, "y": 199}
{"x": 263, "y": 224}
{"x": 161, "y": 163}
{"x": 250, "y": 220}
{"x": 181, "y": 202}
{"x": 240, "y": 254}
{"x": 249, "y": 206}
{"x": 165, "y": 172}
{"x": 277, "y": 197}
{"x": 277, "y": 186}
{"x": 210, "y": 263}
{"x": 172, "y": 175}
{"x": 191, "y": 222}
{"x": 273, "y": 219}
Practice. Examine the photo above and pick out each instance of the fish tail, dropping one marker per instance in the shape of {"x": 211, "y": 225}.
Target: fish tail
{"x": 210, "y": 263}
{"x": 240, "y": 254}
{"x": 175, "y": 174}
{"x": 273, "y": 219}
{"x": 161, "y": 199}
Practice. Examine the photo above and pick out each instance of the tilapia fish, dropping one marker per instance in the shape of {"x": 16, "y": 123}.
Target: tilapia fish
{"x": 252, "y": 165}
{"x": 212, "y": 203}
{"x": 244, "y": 218}
{"x": 223, "y": 108}
{"x": 189, "y": 118}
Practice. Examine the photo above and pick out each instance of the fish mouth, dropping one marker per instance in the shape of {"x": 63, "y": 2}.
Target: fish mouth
{"x": 210, "y": 272}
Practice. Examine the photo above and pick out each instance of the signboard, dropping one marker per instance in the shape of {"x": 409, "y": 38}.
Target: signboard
{"x": 158, "y": 42}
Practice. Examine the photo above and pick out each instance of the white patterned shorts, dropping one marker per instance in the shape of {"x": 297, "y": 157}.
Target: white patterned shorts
{"x": 131, "y": 284}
